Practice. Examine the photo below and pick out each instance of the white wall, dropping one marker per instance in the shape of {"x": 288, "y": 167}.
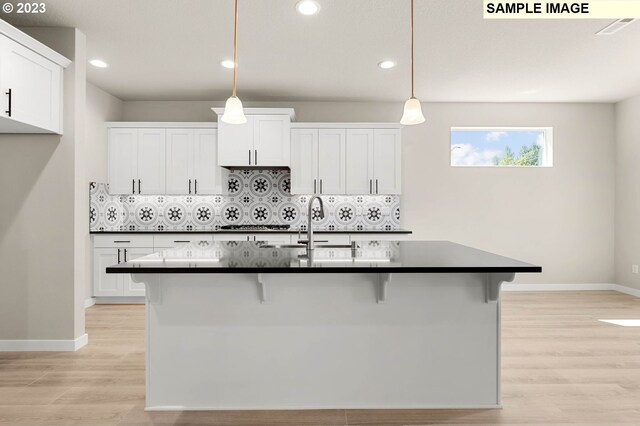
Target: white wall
{"x": 100, "y": 108}
{"x": 628, "y": 191}
{"x": 561, "y": 218}
{"x": 44, "y": 223}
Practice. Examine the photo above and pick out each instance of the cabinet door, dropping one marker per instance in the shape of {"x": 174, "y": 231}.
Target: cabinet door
{"x": 387, "y": 161}
{"x": 208, "y": 176}
{"x": 331, "y": 161}
{"x": 123, "y": 159}
{"x": 180, "y": 155}
{"x": 151, "y": 161}
{"x": 36, "y": 86}
{"x": 106, "y": 284}
{"x": 360, "y": 161}
{"x": 236, "y": 144}
{"x": 304, "y": 161}
{"x": 272, "y": 140}
{"x": 131, "y": 288}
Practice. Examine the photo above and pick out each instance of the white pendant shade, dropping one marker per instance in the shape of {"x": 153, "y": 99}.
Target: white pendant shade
{"x": 412, "y": 113}
{"x": 233, "y": 112}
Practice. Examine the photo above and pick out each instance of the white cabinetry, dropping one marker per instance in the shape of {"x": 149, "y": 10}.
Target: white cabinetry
{"x": 112, "y": 250}
{"x": 137, "y": 161}
{"x": 264, "y": 140}
{"x": 318, "y": 161}
{"x": 352, "y": 160}
{"x": 374, "y": 161}
{"x": 30, "y": 83}
{"x": 192, "y": 163}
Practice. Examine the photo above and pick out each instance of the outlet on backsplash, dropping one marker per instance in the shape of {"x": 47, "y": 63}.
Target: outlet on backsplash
{"x": 255, "y": 197}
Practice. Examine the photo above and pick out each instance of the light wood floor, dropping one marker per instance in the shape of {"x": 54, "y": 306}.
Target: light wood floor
{"x": 560, "y": 366}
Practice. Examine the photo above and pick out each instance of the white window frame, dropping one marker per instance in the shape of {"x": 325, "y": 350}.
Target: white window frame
{"x": 547, "y": 149}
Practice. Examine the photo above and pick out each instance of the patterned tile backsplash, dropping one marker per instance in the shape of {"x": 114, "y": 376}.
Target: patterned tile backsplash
{"x": 255, "y": 197}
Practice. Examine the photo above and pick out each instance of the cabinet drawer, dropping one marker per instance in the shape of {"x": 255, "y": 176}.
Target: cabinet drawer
{"x": 124, "y": 240}
{"x": 332, "y": 239}
{"x": 173, "y": 240}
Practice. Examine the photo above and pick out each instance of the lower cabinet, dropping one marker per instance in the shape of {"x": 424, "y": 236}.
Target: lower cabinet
{"x": 115, "y": 285}
{"x": 109, "y": 250}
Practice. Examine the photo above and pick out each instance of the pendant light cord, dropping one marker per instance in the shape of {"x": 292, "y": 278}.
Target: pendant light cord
{"x": 235, "y": 49}
{"x": 412, "y": 95}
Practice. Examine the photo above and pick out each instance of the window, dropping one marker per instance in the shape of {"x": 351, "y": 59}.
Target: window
{"x": 501, "y": 146}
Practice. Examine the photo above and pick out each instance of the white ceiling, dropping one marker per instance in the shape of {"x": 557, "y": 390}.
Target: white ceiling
{"x": 171, "y": 50}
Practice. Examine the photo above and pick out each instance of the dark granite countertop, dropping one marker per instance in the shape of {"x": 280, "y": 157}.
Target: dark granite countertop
{"x": 227, "y": 231}
{"x": 378, "y": 256}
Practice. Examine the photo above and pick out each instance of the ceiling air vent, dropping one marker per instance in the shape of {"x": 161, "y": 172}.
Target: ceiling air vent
{"x": 615, "y": 26}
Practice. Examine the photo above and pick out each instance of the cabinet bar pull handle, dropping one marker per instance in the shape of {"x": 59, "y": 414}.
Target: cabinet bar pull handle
{"x": 249, "y": 157}
{"x": 118, "y": 256}
{"x": 139, "y": 187}
{"x": 133, "y": 186}
{"x": 370, "y": 186}
{"x": 9, "y": 110}
{"x": 125, "y": 255}
{"x": 189, "y": 186}
{"x": 315, "y": 186}
{"x": 255, "y": 157}
{"x": 121, "y": 241}
{"x": 376, "y": 186}
{"x": 195, "y": 186}
{"x": 182, "y": 241}
{"x": 321, "y": 186}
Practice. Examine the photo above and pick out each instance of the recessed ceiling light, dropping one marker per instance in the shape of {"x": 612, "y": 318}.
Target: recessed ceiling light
{"x": 308, "y": 7}
{"x": 98, "y": 63}
{"x": 385, "y": 65}
{"x": 227, "y": 63}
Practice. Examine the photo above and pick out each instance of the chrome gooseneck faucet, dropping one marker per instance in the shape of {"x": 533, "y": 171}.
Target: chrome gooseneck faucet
{"x": 309, "y": 240}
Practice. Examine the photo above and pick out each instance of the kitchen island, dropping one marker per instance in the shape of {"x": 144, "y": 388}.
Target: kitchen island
{"x": 378, "y": 324}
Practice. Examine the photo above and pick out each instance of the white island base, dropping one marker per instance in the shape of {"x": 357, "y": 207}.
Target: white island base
{"x": 318, "y": 340}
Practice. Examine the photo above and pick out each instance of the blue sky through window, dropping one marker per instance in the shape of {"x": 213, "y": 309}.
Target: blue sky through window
{"x": 480, "y": 147}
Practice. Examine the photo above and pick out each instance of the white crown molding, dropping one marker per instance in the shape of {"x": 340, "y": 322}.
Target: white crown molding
{"x": 44, "y": 345}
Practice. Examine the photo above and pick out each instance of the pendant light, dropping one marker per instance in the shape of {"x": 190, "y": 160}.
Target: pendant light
{"x": 233, "y": 112}
{"x": 412, "y": 109}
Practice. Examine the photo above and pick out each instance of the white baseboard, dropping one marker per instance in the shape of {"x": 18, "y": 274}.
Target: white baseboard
{"x": 120, "y": 300}
{"x": 572, "y": 287}
{"x": 43, "y": 345}
{"x": 626, "y": 290}
{"x": 89, "y": 302}
{"x": 558, "y": 287}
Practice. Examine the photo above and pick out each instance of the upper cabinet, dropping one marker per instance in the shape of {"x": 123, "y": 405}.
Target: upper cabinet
{"x": 137, "y": 161}
{"x": 375, "y": 160}
{"x": 192, "y": 163}
{"x": 31, "y": 77}
{"x": 263, "y": 141}
{"x": 353, "y": 160}
{"x": 318, "y": 161}
{"x": 165, "y": 158}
